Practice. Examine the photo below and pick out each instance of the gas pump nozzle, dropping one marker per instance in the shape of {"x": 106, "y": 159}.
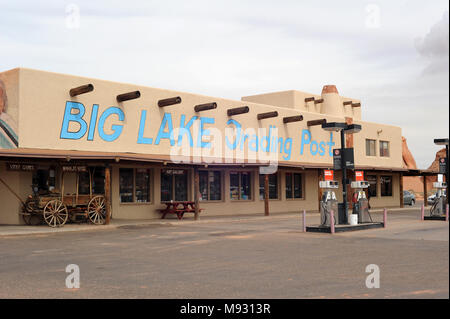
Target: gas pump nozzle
{"x": 360, "y": 202}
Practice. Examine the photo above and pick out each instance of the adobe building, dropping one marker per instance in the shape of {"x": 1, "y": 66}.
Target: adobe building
{"x": 153, "y": 142}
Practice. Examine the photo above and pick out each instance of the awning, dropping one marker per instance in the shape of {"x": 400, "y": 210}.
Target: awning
{"x": 76, "y": 155}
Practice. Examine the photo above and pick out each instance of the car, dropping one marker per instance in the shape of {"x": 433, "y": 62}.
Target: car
{"x": 431, "y": 198}
{"x": 409, "y": 198}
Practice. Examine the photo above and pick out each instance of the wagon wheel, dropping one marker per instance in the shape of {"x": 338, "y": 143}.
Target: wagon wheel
{"x": 28, "y": 214}
{"x": 55, "y": 213}
{"x": 27, "y": 208}
{"x": 97, "y": 210}
{"x": 32, "y": 219}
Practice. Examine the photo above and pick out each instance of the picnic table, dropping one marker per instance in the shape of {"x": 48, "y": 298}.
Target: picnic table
{"x": 179, "y": 208}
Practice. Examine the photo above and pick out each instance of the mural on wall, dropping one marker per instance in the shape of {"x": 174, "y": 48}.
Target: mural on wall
{"x": 8, "y": 126}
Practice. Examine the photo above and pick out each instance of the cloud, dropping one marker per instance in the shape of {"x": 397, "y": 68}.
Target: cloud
{"x": 236, "y": 48}
{"x": 435, "y": 47}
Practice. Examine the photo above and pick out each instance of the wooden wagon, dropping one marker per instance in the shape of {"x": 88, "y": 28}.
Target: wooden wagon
{"x": 55, "y": 208}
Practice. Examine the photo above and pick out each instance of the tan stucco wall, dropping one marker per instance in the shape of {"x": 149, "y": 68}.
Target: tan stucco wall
{"x": 10, "y": 206}
{"x": 42, "y": 111}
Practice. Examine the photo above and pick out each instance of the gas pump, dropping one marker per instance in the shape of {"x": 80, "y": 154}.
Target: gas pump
{"x": 360, "y": 202}
{"x": 438, "y": 208}
{"x": 328, "y": 202}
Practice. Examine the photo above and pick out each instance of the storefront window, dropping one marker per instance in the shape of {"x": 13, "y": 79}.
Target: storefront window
{"x": 273, "y": 186}
{"x": 386, "y": 185}
{"x": 98, "y": 181}
{"x": 84, "y": 184}
{"x": 371, "y": 147}
{"x": 126, "y": 185}
{"x": 210, "y": 185}
{"x": 134, "y": 185}
{"x": 44, "y": 180}
{"x": 372, "y": 179}
{"x": 384, "y": 148}
{"x": 294, "y": 185}
{"x": 142, "y": 185}
{"x": 174, "y": 185}
{"x": 240, "y": 185}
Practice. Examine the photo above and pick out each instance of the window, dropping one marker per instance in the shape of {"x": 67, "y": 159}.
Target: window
{"x": 98, "y": 180}
{"x": 142, "y": 185}
{"x": 386, "y": 185}
{"x": 240, "y": 185}
{"x": 134, "y": 185}
{"x": 210, "y": 185}
{"x": 294, "y": 185}
{"x": 126, "y": 185}
{"x": 84, "y": 183}
{"x": 371, "y": 148}
{"x": 273, "y": 186}
{"x": 384, "y": 148}
{"x": 174, "y": 185}
{"x": 44, "y": 180}
{"x": 372, "y": 179}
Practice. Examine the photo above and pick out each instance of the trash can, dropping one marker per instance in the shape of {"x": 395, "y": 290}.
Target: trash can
{"x": 353, "y": 219}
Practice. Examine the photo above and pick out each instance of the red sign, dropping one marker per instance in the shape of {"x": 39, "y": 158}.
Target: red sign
{"x": 328, "y": 174}
{"x": 359, "y": 176}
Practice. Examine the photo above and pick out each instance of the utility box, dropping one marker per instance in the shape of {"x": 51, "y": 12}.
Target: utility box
{"x": 342, "y": 215}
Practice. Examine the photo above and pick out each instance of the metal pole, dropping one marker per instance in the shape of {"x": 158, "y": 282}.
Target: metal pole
{"x": 446, "y": 213}
{"x": 422, "y": 212}
{"x": 425, "y": 191}
{"x": 344, "y": 177}
{"x": 304, "y": 221}
{"x": 384, "y": 218}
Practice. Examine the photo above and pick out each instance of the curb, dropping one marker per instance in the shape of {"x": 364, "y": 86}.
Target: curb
{"x": 175, "y": 222}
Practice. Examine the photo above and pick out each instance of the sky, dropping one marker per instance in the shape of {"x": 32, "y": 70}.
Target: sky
{"x": 392, "y": 55}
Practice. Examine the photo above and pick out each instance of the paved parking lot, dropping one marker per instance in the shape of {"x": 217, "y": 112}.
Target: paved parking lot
{"x": 237, "y": 258}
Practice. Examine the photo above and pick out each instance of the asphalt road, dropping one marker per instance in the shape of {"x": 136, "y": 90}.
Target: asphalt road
{"x": 262, "y": 258}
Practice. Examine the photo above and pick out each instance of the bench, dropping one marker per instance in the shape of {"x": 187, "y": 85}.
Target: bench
{"x": 178, "y": 208}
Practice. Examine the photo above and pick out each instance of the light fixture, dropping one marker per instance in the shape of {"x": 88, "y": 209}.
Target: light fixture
{"x": 441, "y": 141}
{"x": 333, "y": 126}
{"x": 352, "y": 128}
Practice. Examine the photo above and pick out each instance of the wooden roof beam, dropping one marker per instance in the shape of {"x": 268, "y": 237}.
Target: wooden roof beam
{"x": 81, "y": 90}
{"x": 266, "y": 115}
{"x": 169, "y": 101}
{"x": 238, "y": 110}
{"x": 128, "y": 96}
